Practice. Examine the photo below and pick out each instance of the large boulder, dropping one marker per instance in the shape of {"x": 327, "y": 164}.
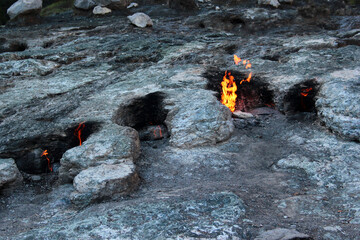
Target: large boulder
{"x": 338, "y": 103}
{"x": 140, "y": 20}
{"x": 24, "y": 7}
{"x": 112, "y": 4}
{"x": 198, "y": 120}
{"x": 98, "y": 10}
{"x": 9, "y": 173}
{"x": 113, "y": 144}
{"x": 274, "y": 3}
{"x": 104, "y": 182}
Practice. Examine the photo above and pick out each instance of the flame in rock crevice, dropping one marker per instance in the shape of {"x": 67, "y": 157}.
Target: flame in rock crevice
{"x": 159, "y": 131}
{"x": 305, "y": 92}
{"x": 78, "y": 130}
{"x": 44, "y": 154}
{"x": 228, "y": 96}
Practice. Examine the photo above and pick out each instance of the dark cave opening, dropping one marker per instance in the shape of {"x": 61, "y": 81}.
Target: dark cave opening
{"x": 30, "y": 157}
{"x": 301, "y": 97}
{"x": 146, "y": 114}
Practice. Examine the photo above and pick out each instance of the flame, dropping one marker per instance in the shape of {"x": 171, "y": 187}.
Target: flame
{"x": 228, "y": 96}
{"x": 237, "y": 60}
{"x": 305, "y": 92}
{"x": 45, "y": 153}
{"x": 160, "y": 133}
{"x": 78, "y": 130}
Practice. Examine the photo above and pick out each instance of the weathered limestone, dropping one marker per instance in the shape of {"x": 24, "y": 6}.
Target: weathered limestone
{"x": 200, "y": 119}
{"x": 9, "y": 173}
{"x": 24, "y": 7}
{"x": 104, "y": 181}
{"x": 113, "y": 144}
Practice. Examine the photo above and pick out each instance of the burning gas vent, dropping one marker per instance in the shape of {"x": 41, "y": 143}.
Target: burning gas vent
{"x": 146, "y": 114}
{"x": 301, "y": 97}
{"x": 250, "y": 94}
{"x": 39, "y": 155}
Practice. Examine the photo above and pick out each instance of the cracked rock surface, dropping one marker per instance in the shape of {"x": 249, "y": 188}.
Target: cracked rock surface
{"x": 214, "y": 176}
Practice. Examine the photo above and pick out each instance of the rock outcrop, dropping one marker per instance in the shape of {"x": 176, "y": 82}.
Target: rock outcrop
{"x": 103, "y": 182}
{"x": 113, "y": 144}
{"x": 340, "y": 110}
{"x": 24, "y": 7}
{"x": 198, "y": 120}
{"x": 9, "y": 173}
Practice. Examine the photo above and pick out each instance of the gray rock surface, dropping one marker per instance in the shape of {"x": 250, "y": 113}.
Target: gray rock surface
{"x": 140, "y": 20}
{"x": 112, "y": 4}
{"x": 98, "y": 10}
{"x": 9, "y": 173}
{"x": 340, "y": 109}
{"x": 103, "y": 182}
{"x": 113, "y": 144}
{"x": 24, "y": 7}
{"x": 198, "y": 120}
{"x": 274, "y": 3}
{"x": 282, "y": 234}
{"x": 27, "y": 67}
{"x": 85, "y": 4}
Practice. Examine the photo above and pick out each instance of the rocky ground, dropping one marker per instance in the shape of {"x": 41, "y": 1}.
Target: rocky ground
{"x": 161, "y": 157}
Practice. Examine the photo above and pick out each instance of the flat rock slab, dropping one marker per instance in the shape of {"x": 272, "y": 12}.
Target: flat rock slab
{"x": 104, "y": 181}
{"x": 113, "y": 144}
{"x": 282, "y": 234}
{"x": 9, "y": 173}
{"x": 187, "y": 219}
{"x": 198, "y": 120}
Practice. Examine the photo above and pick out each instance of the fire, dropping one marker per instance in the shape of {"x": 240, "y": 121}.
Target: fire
{"x": 78, "y": 130}
{"x": 305, "y": 92}
{"x": 237, "y": 60}
{"x": 159, "y": 130}
{"x": 45, "y": 153}
{"x": 228, "y": 96}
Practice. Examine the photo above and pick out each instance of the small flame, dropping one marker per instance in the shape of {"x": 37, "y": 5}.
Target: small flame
{"x": 305, "y": 92}
{"x": 155, "y": 132}
{"x": 228, "y": 96}
{"x": 237, "y": 60}
{"x": 45, "y": 153}
{"x": 78, "y": 130}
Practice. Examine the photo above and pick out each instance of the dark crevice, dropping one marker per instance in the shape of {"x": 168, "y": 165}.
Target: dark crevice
{"x": 301, "y": 97}
{"x": 29, "y": 157}
{"x": 146, "y": 114}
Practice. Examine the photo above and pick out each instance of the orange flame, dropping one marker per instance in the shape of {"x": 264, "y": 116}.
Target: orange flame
{"x": 155, "y": 132}
{"x": 228, "y": 96}
{"x": 78, "y": 130}
{"x": 45, "y": 153}
{"x": 247, "y": 65}
{"x": 237, "y": 60}
{"x": 305, "y": 92}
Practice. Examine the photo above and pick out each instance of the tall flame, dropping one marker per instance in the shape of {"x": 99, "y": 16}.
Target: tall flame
{"x": 228, "y": 96}
{"x": 78, "y": 130}
{"x": 45, "y": 153}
